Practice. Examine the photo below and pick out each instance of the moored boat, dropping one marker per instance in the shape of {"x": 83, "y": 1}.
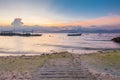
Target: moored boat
{"x": 74, "y": 34}
{"x": 10, "y": 33}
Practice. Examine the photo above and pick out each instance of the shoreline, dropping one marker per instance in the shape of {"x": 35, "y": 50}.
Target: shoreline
{"x": 3, "y": 54}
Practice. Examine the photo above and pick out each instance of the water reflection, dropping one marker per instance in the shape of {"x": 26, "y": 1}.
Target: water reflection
{"x": 58, "y": 42}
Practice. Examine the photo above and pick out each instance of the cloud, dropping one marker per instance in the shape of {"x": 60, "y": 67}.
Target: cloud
{"x": 17, "y": 22}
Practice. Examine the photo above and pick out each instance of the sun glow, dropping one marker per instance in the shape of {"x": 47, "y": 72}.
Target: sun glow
{"x": 106, "y": 20}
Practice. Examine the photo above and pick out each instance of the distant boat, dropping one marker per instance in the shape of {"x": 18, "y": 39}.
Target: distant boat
{"x": 74, "y": 34}
{"x": 30, "y": 34}
{"x": 7, "y": 33}
{"x": 10, "y": 33}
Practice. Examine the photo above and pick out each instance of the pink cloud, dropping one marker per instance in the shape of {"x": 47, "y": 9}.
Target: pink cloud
{"x": 106, "y": 20}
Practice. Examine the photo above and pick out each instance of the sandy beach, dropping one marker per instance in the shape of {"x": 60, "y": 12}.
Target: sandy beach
{"x": 61, "y": 66}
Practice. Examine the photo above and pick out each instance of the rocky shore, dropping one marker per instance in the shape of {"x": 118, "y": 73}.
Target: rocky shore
{"x": 116, "y": 39}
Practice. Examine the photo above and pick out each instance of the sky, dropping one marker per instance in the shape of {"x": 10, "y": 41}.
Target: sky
{"x": 60, "y": 12}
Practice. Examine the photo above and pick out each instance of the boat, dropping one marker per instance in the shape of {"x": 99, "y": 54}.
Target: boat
{"x": 10, "y": 33}
{"x": 7, "y": 33}
{"x": 74, "y": 34}
{"x": 31, "y": 34}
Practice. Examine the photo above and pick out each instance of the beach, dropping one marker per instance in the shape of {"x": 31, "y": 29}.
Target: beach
{"x": 61, "y": 66}
{"x": 104, "y": 64}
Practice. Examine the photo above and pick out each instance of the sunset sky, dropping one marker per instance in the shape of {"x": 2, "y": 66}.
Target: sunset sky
{"x": 60, "y": 12}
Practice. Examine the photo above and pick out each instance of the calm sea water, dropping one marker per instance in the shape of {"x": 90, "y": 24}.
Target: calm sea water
{"x": 48, "y": 43}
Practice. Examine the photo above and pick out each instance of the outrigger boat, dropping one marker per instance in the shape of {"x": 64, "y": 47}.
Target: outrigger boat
{"x": 10, "y": 33}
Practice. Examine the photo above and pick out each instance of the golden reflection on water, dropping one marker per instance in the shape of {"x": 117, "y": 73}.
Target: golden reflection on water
{"x": 55, "y": 42}
{"x": 29, "y": 44}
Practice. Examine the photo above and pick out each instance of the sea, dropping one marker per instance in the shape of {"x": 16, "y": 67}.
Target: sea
{"x": 58, "y": 42}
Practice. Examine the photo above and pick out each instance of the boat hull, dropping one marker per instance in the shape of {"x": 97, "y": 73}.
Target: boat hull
{"x": 74, "y": 34}
{"x": 19, "y": 34}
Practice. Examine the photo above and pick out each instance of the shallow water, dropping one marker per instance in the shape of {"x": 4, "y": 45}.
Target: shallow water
{"x": 48, "y": 43}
